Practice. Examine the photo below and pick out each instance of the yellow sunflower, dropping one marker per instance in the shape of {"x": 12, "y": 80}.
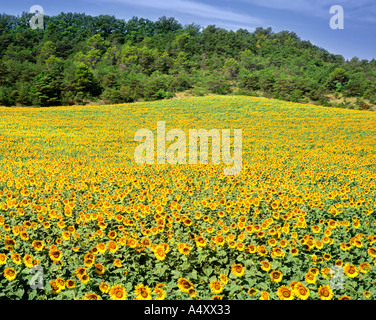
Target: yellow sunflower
{"x": 285, "y": 293}
{"x": 184, "y": 284}
{"x": 301, "y": 291}
{"x": 99, "y": 268}
{"x": 142, "y": 292}
{"x": 276, "y": 276}
{"x": 3, "y": 258}
{"x": 350, "y": 270}
{"x": 92, "y": 296}
{"x": 118, "y": 292}
{"x": 216, "y": 286}
{"x": 265, "y": 265}
{"x": 55, "y": 255}
{"x": 10, "y": 274}
{"x": 104, "y": 287}
{"x": 238, "y": 270}
{"x": 325, "y": 293}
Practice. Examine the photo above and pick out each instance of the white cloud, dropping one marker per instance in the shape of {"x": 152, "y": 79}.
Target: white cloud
{"x": 364, "y": 10}
{"x": 192, "y": 8}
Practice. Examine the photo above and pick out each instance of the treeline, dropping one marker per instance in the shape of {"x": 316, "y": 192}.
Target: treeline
{"x": 79, "y": 59}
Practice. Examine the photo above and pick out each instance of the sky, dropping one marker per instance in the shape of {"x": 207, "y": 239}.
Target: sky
{"x": 309, "y": 19}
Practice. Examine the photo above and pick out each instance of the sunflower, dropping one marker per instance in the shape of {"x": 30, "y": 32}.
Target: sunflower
{"x": 55, "y": 255}
{"x": 99, "y": 268}
{"x": 142, "y": 292}
{"x": 200, "y": 242}
{"x": 112, "y": 234}
{"x": 372, "y": 252}
{"x": 238, "y": 270}
{"x": 80, "y": 271}
{"x": 350, "y": 270}
{"x": 252, "y": 292}
{"x": 344, "y": 298}
{"x": 159, "y": 252}
{"x": 112, "y": 246}
{"x": 9, "y": 243}
{"x": 132, "y": 243}
{"x": 310, "y": 278}
{"x": 88, "y": 262}
{"x": 70, "y": 284}
{"x": 3, "y": 258}
{"x": 232, "y": 244}
{"x": 84, "y": 278}
{"x": 60, "y": 283}
{"x": 262, "y": 251}
{"x": 265, "y": 265}
{"x": 314, "y": 271}
{"x": 28, "y": 260}
{"x": 301, "y": 291}
{"x": 285, "y": 293}
{"x": 104, "y": 287}
{"x": 117, "y": 263}
{"x": 10, "y": 274}
{"x": 339, "y": 263}
{"x": 276, "y": 276}
{"x": 16, "y": 258}
{"x": 325, "y": 293}
{"x": 161, "y": 294}
{"x": 216, "y": 286}
{"x": 264, "y": 295}
{"x": 55, "y": 288}
{"x": 92, "y": 296}
{"x": 223, "y": 278}
{"x": 364, "y": 267}
{"x": 145, "y": 242}
{"x": 184, "y": 284}
{"x": 24, "y": 235}
{"x": 38, "y": 245}
{"x": 118, "y": 292}
{"x": 216, "y": 297}
{"x": 101, "y": 247}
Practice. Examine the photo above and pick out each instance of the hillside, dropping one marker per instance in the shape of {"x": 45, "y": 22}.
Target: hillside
{"x": 80, "y": 59}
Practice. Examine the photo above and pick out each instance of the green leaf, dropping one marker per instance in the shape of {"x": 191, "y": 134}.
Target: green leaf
{"x": 32, "y": 294}
{"x": 208, "y": 271}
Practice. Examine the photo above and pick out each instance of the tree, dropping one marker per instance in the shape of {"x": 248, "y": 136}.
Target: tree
{"x": 339, "y": 75}
{"x": 46, "y": 90}
{"x": 85, "y": 83}
{"x": 231, "y": 68}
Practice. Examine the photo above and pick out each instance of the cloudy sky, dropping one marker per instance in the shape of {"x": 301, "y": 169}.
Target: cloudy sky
{"x": 308, "y": 18}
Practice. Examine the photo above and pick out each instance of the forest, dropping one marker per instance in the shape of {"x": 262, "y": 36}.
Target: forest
{"x": 79, "y": 59}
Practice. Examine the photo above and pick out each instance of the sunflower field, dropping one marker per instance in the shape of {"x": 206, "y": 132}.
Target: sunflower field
{"x": 79, "y": 219}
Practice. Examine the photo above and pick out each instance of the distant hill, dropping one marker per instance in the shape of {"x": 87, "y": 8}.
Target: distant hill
{"x": 79, "y": 59}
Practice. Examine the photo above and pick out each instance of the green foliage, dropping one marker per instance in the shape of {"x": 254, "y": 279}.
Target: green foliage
{"x": 102, "y": 57}
{"x": 45, "y": 90}
{"x": 339, "y": 75}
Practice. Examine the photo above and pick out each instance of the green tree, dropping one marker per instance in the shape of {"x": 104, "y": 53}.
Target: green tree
{"x": 85, "y": 84}
{"x": 46, "y": 90}
{"x": 339, "y": 75}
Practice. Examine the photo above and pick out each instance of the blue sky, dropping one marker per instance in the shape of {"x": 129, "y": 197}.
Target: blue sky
{"x": 308, "y": 18}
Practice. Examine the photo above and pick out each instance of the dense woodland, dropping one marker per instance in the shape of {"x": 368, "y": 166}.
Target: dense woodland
{"x": 80, "y": 59}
